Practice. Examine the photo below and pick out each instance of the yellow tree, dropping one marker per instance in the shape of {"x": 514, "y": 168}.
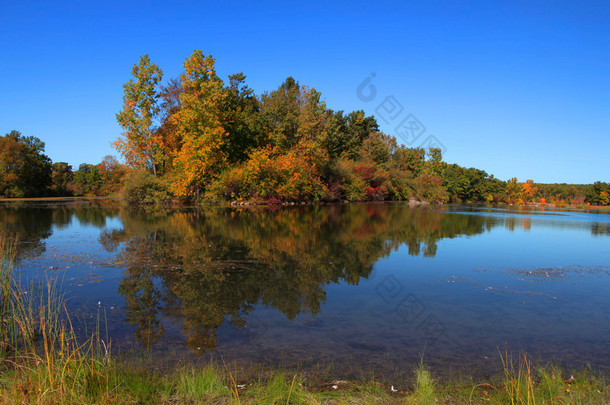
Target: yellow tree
{"x": 310, "y": 126}
{"x": 198, "y": 126}
{"x": 514, "y": 191}
{"x": 139, "y": 115}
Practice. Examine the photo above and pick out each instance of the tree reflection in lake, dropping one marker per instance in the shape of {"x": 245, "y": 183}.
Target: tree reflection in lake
{"x": 202, "y": 268}
{"x": 309, "y": 272}
{"x": 33, "y": 222}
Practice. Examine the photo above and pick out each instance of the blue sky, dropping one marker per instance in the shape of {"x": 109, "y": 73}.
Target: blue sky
{"x": 519, "y": 89}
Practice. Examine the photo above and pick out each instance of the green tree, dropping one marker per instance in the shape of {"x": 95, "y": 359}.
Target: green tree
{"x": 241, "y": 119}
{"x": 344, "y": 134}
{"x": 471, "y": 185}
{"x": 379, "y": 147}
{"x": 457, "y": 183}
{"x": 87, "y": 179}
{"x": 410, "y": 159}
{"x": 435, "y": 162}
{"x": 25, "y": 171}
{"x": 167, "y": 142}
{"x": 62, "y": 176}
{"x": 139, "y": 116}
{"x": 513, "y": 191}
{"x": 281, "y": 110}
{"x": 599, "y": 194}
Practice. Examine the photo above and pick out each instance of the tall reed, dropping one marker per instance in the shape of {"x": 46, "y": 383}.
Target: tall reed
{"x": 518, "y": 380}
{"x": 39, "y": 343}
{"x": 8, "y": 327}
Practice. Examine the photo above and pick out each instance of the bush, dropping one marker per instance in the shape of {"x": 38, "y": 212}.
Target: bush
{"x": 364, "y": 180}
{"x": 401, "y": 185}
{"x": 430, "y": 188}
{"x": 269, "y": 177}
{"x": 141, "y": 187}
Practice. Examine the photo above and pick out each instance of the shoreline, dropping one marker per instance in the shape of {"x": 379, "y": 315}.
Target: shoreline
{"x": 131, "y": 381}
{"x": 254, "y": 203}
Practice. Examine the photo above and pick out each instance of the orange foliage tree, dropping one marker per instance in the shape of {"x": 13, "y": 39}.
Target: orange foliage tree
{"x": 529, "y": 191}
{"x": 198, "y": 126}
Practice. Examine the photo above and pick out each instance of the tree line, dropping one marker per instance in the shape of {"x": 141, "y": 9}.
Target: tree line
{"x": 26, "y": 171}
{"x": 196, "y": 138}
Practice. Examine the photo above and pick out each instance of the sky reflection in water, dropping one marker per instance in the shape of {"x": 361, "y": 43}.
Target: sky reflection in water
{"x": 361, "y": 286}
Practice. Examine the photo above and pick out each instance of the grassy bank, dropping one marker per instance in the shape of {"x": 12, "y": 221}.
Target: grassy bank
{"x": 89, "y": 380}
{"x": 95, "y": 381}
{"x": 43, "y": 362}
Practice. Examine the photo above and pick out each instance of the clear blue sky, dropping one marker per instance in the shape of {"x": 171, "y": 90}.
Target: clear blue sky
{"x": 516, "y": 88}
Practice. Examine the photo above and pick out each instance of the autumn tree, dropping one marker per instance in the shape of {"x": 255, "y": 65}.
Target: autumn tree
{"x": 140, "y": 115}
{"x": 529, "y": 191}
{"x": 312, "y": 117}
{"x": 429, "y": 187}
{"x": 111, "y": 174}
{"x": 514, "y": 191}
{"x": 198, "y": 125}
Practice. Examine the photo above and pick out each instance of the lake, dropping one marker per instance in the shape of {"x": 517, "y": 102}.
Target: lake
{"x": 356, "y": 289}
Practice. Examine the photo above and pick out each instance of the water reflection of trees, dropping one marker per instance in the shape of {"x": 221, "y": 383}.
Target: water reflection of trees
{"x": 33, "y": 222}
{"x": 30, "y": 226}
{"x": 600, "y": 228}
{"x": 203, "y": 268}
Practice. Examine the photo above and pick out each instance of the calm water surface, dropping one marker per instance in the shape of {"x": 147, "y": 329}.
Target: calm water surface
{"x": 361, "y": 288}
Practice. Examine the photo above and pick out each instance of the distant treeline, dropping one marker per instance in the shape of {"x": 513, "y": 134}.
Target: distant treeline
{"x": 25, "y": 171}
{"x": 196, "y": 138}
